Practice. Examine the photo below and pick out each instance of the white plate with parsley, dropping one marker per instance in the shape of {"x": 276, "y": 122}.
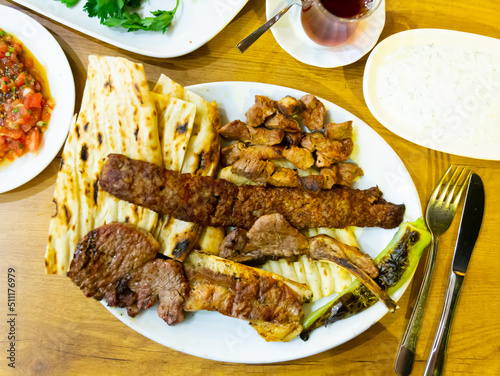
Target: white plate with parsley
{"x": 194, "y": 22}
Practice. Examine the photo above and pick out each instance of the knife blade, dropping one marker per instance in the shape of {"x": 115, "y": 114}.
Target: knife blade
{"x": 470, "y": 224}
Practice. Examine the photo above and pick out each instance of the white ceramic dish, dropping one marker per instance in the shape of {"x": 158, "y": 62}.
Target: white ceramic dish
{"x": 213, "y": 336}
{"x": 290, "y": 35}
{"x": 62, "y": 88}
{"x": 194, "y": 24}
{"x": 463, "y": 116}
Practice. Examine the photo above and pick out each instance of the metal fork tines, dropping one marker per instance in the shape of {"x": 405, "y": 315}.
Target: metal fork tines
{"x": 439, "y": 215}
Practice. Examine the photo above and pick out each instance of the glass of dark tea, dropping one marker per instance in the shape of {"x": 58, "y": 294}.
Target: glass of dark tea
{"x": 332, "y": 22}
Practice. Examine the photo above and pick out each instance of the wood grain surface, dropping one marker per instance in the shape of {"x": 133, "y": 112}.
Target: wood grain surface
{"x": 62, "y": 333}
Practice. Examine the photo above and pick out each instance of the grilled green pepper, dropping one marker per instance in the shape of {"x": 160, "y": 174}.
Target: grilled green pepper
{"x": 396, "y": 264}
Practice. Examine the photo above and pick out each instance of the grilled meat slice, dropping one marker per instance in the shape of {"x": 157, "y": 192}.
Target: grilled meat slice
{"x": 238, "y": 150}
{"x": 235, "y": 131}
{"x": 264, "y": 136}
{"x": 115, "y": 262}
{"x": 109, "y": 254}
{"x": 342, "y": 173}
{"x": 280, "y": 121}
{"x": 236, "y": 247}
{"x": 314, "y": 112}
{"x": 339, "y": 131}
{"x": 271, "y": 237}
{"x": 243, "y": 292}
{"x": 164, "y": 281}
{"x": 290, "y": 106}
{"x": 217, "y": 202}
{"x": 260, "y": 111}
{"x": 300, "y": 157}
{"x": 292, "y": 138}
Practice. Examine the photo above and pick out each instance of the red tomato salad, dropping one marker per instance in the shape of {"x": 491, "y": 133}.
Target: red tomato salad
{"x": 25, "y": 103}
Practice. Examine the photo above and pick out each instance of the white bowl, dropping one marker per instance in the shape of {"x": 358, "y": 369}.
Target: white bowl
{"x": 62, "y": 88}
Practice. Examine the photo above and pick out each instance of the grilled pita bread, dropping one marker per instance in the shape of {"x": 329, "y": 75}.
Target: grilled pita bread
{"x": 201, "y": 158}
{"x": 117, "y": 116}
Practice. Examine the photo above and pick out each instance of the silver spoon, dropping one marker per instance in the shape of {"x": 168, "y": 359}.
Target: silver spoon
{"x": 248, "y": 41}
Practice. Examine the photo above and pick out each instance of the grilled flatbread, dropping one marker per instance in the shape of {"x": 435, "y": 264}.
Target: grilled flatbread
{"x": 117, "y": 116}
{"x": 201, "y": 158}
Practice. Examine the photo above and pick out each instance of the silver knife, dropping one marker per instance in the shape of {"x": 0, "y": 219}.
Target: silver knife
{"x": 470, "y": 224}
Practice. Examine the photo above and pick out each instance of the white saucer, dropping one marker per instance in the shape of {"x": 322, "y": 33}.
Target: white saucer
{"x": 290, "y": 35}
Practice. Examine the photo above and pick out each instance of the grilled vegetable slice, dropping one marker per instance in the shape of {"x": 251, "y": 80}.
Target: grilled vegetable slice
{"x": 396, "y": 264}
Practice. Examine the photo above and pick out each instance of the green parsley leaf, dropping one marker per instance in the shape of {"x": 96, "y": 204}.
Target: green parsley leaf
{"x": 15, "y": 110}
{"x": 69, "y": 3}
{"x": 132, "y": 21}
{"x": 104, "y": 8}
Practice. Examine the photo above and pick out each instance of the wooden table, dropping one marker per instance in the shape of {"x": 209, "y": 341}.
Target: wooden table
{"x": 62, "y": 333}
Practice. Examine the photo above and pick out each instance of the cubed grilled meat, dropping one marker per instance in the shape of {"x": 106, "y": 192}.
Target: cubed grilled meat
{"x": 256, "y": 170}
{"x": 280, "y": 121}
{"x": 238, "y": 150}
{"x": 313, "y": 183}
{"x": 300, "y": 157}
{"x": 115, "y": 262}
{"x": 339, "y": 131}
{"x": 284, "y": 177}
{"x": 327, "y": 151}
{"x": 265, "y": 172}
{"x": 342, "y": 173}
{"x": 235, "y": 131}
{"x": 217, "y": 202}
{"x": 292, "y": 139}
{"x": 264, "y": 136}
{"x": 314, "y": 112}
{"x": 260, "y": 111}
{"x": 290, "y": 106}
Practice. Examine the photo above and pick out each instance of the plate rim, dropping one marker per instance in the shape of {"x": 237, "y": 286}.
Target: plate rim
{"x": 66, "y": 112}
{"x": 379, "y": 309}
{"x": 371, "y": 68}
{"x": 95, "y": 34}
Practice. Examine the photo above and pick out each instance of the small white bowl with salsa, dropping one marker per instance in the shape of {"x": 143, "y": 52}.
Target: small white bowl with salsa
{"x": 37, "y": 98}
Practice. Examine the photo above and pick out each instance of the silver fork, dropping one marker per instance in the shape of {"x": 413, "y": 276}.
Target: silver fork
{"x": 441, "y": 209}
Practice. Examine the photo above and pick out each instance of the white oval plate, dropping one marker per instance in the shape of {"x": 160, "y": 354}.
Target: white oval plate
{"x": 62, "y": 88}
{"x": 290, "y": 35}
{"x": 213, "y": 336}
{"x": 457, "y": 107}
{"x": 194, "y": 24}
